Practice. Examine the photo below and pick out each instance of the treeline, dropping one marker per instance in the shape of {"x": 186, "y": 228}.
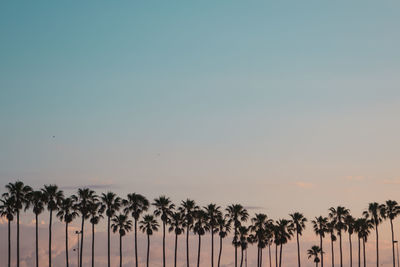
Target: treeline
{"x": 131, "y": 214}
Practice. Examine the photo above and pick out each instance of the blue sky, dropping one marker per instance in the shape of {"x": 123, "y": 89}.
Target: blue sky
{"x": 172, "y": 96}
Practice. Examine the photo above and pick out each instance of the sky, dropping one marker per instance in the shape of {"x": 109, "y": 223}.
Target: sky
{"x": 281, "y": 106}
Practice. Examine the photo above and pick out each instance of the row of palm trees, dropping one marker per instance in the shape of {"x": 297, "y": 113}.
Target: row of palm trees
{"x": 125, "y": 215}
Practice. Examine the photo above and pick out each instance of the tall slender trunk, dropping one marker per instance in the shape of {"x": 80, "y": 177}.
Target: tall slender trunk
{"x": 365, "y": 258}
{"x": 92, "y": 244}
{"x": 220, "y": 251}
{"x": 276, "y": 255}
{"x": 269, "y": 255}
{"x": 120, "y": 250}
{"x": 37, "y": 239}
{"x": 322, "y": 251}
{"x": 108, "y": 241}
{"x": 359, "y": 252}
{"x": 50, "y": 233}
{"x": 391, "y": 228}
{"x": 198, "y": 252}
{"x": 176, "y": 248}
{"x": 148, "y": 251}
{"x": 9, "y": 243}
{"x": 261, "y": 252}
{"x": 187, "y": 245}
{"x": 298, "y": 248}
{"x": 17, "y": 237}
{"x": 235, "y": 245}
{"x": 212, "y": 246}
{"x": 340, "y": 249}
{"x": 377, "y": 245}
{"x": 163, "y": 244}
{"x": 280, "y": 256}
{"x": 66, "y": 244}
{"x": 258, "y": 256}
{"x": 136, "y": 251}
{"x": 81, "y": 254}
{"x": 241, "y": 257}
{"x": 333, "y": 254}
{"x": 351, "y": 251}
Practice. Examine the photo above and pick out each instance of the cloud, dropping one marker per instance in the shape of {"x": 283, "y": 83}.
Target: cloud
{"x": 391, "y": 181}
{"x": 355, "y": 178}
{"x": 305, "y": 185}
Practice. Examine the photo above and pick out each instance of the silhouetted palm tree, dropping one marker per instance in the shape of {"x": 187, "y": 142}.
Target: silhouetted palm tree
{"x": 163, "y": 208}
{"x": 223, "y": 228}
{"x": 298, "y": 223}
{"x": 82, "y": 203}
{"x": 243, "y": 241}
{"x": 269, "y": 239}
{"x": 148, "y": 225}
{"x": 392, "y": 210}
{"x": 52, "y": 197}
{"x": 66, "y": 213}
{"x": 376, "y": 213}
{"x": 236, "y": 214}
{"x": 338, "y": 214}
{"x": 284, "y": 233}
{"x": 320, "y": 228}
{"x": 362, "y": 227}
{"x": 188, "y": 208}
{"x": 36, "y": 200}
{"x": 212, "y": 212}
{"x": 313, "y": 253}
{"x": 7, "y": 209}
{"x": 110, "y": 203}
{"x": 95, "y": 216}
{"x": 331, "y": 226}
{"x": 19, "y": 191}
{"x": 258, "y": 228}
{"x": 200, "y": 227}
{"x": 176, "y": 226}
{"x": 349, "y": 227}
{"x": 136, "y": 204}
{"x": 123, "y": 225}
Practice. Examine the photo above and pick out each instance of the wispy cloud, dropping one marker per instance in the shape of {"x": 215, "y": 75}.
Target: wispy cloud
{"x": 305, "y": 185}
{"x": 355, "y": 178}
{"x": 391, "y": 181}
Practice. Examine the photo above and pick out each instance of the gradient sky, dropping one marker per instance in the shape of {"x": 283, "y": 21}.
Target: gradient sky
{"x": 280, "y": 105}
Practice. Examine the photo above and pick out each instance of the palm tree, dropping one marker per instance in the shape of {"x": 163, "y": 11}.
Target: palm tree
{"x": 110, "y": 203}
{"x": 200, "y": 227}
{"x": 243, "y": 241}
{"x": 331, "y": 226}
{"x": 67, "y": 214}
{"x": 236, "y": 214}
{"x": 392, "y": 210}
{"x": 313, "y": 252}
{"x": 83, "y": 201}
{"x": 19, "y": 192}
{"x": 349, "y": 227}
{"x": 163, "y": 208}
{"x": 212, "y": 213}
{"x": 298, "y": 223}
{"x": 176, "y": 225}
{"x": 7, "y": 209}
{"x": 148, "y": 225}
{"x": 258, "y": 228}
{"x": 136, "y": 204}
{"x": 362, "y": 227}
{"x": 338, "y": 214}
{"x": 95, "y": 216}
{"x": 52, "y": 197}
{"x": 284, "y": 233}
{"x": 269, "y": 234}
{"x": 123, "y": 225}
{"x": 376, "y": 213}
{"x": 188, "y": 208}
{"x": 320, "y": 228}
{"x": 36, "y": 200}
{"x": 223, "y": 228}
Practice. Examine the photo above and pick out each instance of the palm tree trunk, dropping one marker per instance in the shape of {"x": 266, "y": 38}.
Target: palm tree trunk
{"x": 50, "y": 223}
{"x": 235, "y": 246}
{"x": 276, "y": 255}
{"x": 298, "y": 248}
{"x": 377, "y": 245}
{"x": 37, "y": 239}
{"x": 280, "y": 256}
{"x": 261, "y": 257}
{"x": 17, "y": 237}
{"x": 322, "y": 251}
{"x": 333, "y": 254}
{"x": 269, "y": 255}
{"x": 220, "y": 251}
{"x": 9, "y": 243}
{"x": 108, "y": 241}
{"x": 136, "y": 251}
{"x": 83, "y": 223}
{"x": 351, "y": 251}
{"x": 187, "y": 246}
{"x": 148, "y": 250}
{"x": 241, "y": 257}
{"x": 66, "y": 244}
{"x": 198, "y": 252}
{"x": 359, "y": 252}
{"x": 365, "y": 261}
{"x": 92, "y": 244}
{"x": 391, "y": 228}
{"x": 212, "y": 246}
{"x": 340, "y": 249}
{"x": 163, "y": 243}
{"x": 176, "y": 248}
{"x": 120, "y": 250}
{"x": 258, "y": 256}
